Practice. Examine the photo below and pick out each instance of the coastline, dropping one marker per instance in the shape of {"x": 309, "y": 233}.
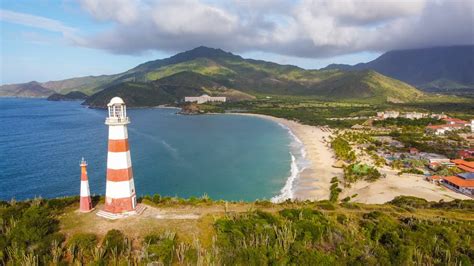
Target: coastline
{"x": 312, "y": 179}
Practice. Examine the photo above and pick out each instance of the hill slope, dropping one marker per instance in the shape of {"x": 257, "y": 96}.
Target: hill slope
{"x": 428, "y": 68}
{"x": 30, "y": 89}
{"x": 160, "y": 81}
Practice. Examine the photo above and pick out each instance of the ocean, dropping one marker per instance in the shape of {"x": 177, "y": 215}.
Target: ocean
{"x": 227, "y": 157}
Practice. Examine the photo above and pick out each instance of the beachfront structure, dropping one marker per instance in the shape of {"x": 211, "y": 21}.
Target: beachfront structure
{"x": 464, "y": 165}
{"x": 85, "y": 194}
{"x": 462, "y": 183}
{"x": 204, "y": 99}
{"x": 120, "y": 195}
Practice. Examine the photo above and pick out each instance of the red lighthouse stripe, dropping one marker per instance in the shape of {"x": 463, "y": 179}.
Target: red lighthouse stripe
{"x": 118, "y": 145}
{"x": 118, "y": 205}
{"x": 117, "y": 175}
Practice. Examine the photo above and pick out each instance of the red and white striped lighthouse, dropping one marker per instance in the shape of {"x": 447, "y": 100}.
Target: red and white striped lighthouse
{"x": 86, "y": 203}
{"x": 120, "y": 196}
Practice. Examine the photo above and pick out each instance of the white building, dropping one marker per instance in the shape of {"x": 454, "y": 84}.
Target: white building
{"x": 204, "y": 99}
{"x": 414, "y": 115}
{"x": 388, "y": 114}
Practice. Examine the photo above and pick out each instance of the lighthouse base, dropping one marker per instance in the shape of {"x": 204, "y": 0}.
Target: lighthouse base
{"x": 114, "y": 216}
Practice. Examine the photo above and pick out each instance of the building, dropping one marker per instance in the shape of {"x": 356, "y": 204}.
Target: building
{"x": 464, "y": 165}
{"x": 85, "y": 195}
{"x": 435, "y": 179}
{"x": 120, "y": 194}
{"x": 442, "y": 129}
{"x": 472, "y": 126}
{"x": 414, "y": 151}
{"x": 388, "y": 114}
{"x": 466, "y": 154}
{"x": 435, "y": 158}
{"x": 455, "y": 121}
{"x": 438, "y": 116}
{"x": 462, "y": 183}
{"x": 414, "y": 115}
{"x": 204, "y": 99}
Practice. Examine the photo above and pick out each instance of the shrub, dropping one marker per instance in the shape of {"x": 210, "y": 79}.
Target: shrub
{"x": 114, "y": 241}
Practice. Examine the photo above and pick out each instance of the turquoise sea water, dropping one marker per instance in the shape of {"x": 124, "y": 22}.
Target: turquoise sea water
{"x": 225, "y": 156}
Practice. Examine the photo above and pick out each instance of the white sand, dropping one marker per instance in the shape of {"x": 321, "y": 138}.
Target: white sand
{"x": 386, "y": 189}
{"x": 314, "y": 182}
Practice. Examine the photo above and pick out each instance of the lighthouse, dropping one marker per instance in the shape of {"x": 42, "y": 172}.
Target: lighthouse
{"x": 86, "y": 203}
{"x": 120, "y": 195}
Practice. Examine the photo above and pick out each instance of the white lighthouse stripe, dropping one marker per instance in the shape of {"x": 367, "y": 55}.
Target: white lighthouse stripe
{"x": 119, "y": 160}
{"x": 118, "y": 132}
{"x": 85, "y": 192}
{"x": 122, "y": 189}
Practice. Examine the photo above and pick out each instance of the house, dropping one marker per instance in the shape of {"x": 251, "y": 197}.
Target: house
{"x": 455, "y": 121}
{"x": 442, "y": 129}
{"x": 414, "y": 151}
{"x": 462, "y": 183}
{"x": 464, "y": 165}
{"x": 465, "y": 154}
{"x": 435, "y": 158}
{"x": 204, "y": 99}
{"x": 436, "y": 179}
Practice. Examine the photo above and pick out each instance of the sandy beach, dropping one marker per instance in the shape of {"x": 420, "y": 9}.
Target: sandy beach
{"x": 313, "y": 183}
{"x": 393, "y": 185}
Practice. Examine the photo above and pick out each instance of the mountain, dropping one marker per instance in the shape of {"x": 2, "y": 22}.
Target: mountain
{"x": 216, "y": 72}
{"x": 428, "y": 68}
{"x": 30, "y": 89}
{"x": 71, "y": 96}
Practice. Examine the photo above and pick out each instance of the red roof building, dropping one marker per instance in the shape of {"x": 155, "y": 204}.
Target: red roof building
{"x": 465, "y": 154}
{"x": 462, "y": 183}
{"x": 464, "y": 165}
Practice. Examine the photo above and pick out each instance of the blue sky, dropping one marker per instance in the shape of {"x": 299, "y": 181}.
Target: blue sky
{"x": 51, "y": 40}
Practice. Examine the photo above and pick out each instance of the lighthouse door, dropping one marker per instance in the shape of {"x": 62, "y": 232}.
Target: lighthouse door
{"x": 134, "y": 202}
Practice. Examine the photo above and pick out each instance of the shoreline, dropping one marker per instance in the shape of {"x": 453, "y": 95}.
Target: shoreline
{"x": 315, "y": 171}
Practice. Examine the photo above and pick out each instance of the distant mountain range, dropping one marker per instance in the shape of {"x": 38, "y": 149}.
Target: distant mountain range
{"x": 440, "y": 68}
{"x": 216, "y": 72}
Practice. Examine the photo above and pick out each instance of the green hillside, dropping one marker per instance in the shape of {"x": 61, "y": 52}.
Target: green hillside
{"x": 222, "y": 73}
{"x": 405, "y": 231}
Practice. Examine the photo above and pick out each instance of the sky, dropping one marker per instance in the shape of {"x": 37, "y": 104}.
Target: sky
{"x": 51, "y": 40}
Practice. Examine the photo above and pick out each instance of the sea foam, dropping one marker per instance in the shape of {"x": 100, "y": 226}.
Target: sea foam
{"x": 298, "y": 164}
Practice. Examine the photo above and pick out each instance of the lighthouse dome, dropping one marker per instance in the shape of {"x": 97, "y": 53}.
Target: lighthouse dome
{"x": 116, "y": 100}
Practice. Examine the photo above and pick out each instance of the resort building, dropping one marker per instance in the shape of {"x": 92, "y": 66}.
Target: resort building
{"x": 204, "y": 99}
{"x": 388, "y": 114}
{"x": 462, "y": 183}
{"x": 439, "y": 116}
{"x": 464, "y": 165}
{"x": 414, "y": 115}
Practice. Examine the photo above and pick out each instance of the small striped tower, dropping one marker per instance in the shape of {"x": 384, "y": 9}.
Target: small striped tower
{"x": 86, "y": 203}
{"x": 120, "y": 196}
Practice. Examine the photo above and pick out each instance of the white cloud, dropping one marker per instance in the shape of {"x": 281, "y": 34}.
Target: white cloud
{"x": 42, "y": 23}
{"x": 305, "y": 28}
{"x": 35, "y": 21}
{"x": 124, "y": 11}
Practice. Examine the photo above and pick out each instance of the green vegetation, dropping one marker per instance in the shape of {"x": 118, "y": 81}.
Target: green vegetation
{"x": 343, "y": 149}
{"x": 355, "y": 172}
{"x": 335, "y": 190}
{"x": 404, "y": 122}
{"x": 405, "y": 231}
